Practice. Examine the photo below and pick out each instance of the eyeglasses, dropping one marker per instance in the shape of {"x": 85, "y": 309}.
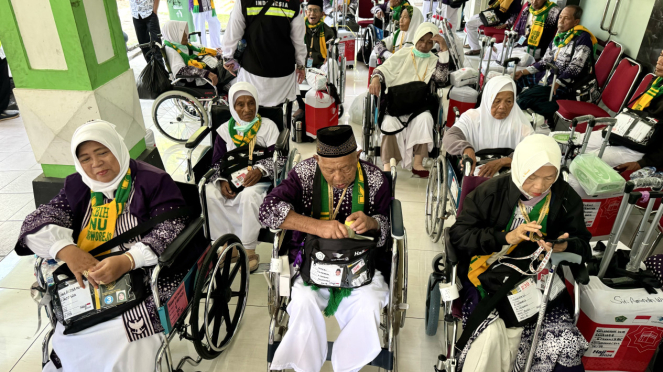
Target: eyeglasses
{"x": 313, "y": 11}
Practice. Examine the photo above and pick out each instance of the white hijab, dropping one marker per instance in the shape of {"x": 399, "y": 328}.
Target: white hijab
{"x": 174, "y": 30}
{"x": 400, "y": 68}
{"x": 416, "y": 19}
{"x": 103, "y": 132}
{"x": 483, "y": 131}
{"x": 531, "y": 154}
{"x": 239, "y": 90}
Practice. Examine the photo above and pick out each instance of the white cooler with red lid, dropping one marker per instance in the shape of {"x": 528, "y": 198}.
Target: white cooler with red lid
{"x": 321, "y": 111}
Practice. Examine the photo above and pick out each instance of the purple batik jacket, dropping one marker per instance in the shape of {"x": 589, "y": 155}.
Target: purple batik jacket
{"x": 153, "y": 192}
{"x": 296, "y": 193}
{"x": 549, "y": 27}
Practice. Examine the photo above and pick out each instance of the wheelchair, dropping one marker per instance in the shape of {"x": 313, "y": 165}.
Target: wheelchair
{"x": 393, "y": 315}
{"x": 214, "y": 289}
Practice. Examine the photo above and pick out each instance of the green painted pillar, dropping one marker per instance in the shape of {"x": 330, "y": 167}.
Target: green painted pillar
{"x": 179, "y": 11}
{"x": 70, "y": 66}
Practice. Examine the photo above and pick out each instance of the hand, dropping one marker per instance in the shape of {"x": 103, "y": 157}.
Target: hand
{"x": 561, "y": 247}
{"x": 215, "y": 79}
{"x": 520, "y": 233}
{"x": 301, "y": 74}
{"x": 331, "y": 230}
{"x": 362, "y": 222}
{"x": 470, "y": 152}
{"x": 110, "y": 269}
{"x": 658, "y": 70}
{"x": 232, "y": 66}
{"x": 630, "y": 166}
{"x": 379, "y": 14}
{"x": 226, "y": 191}
{"x": 501, "y": 27}
{"x": 252, "y": 177}
{"x": 489, "y": 169}
{"x": 375, "y": 86}
{"x": 440, "y": 41}
{"x": 521, "y": 73}
{"x": 78, "y": 261}
{"x": 555, "y": 86}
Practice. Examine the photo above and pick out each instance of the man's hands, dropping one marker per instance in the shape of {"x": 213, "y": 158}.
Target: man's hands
{"x": 252, "y": 177}
{"x": 501, "y": 27}
{"x": 331, "y": 230}
{"x": 301, "y": 74}
{"x": 561, "y": 247}
{"x": 555, "y": 87}
{"x": 362, "y": 222}
{"x": 470, "y": 152}
{"x": 226, "y": 191}
{"x": 630, "y": 166}
{"x": 375, "y": 86}
{"x": 440, "y": 41}
{"x": 521, "y": 73}
{"x": 110, "y": 269}
{"x": 489, "y": 169}
{"x": 520, "y": 233}
{"x": 379, "y": 14}
{"x": 215, "y": 79}
{"x": 78, "y": 261}
{"x": 232, "y": 66}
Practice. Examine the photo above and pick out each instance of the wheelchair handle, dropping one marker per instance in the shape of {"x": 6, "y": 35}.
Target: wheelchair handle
{"x": 580, "y": 119}
{"x": 467, "y": 165}
{"x": 568, "y": 257}
{"x": 456, "y": 111}
{"x": 551, "y": 66}
{"x": 516, "y": 60}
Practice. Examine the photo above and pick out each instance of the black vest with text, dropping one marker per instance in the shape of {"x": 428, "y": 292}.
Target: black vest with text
{"x": 269, "y": 50}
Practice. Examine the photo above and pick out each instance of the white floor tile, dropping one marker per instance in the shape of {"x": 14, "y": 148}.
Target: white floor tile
{"x": 11, "y": 204}
{"x": 17, "y": 272}
{"x": 19, "y": 324}
{"x": 9, "y": 231}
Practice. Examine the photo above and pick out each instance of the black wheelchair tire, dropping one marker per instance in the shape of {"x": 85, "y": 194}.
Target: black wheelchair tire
{"x": 223, "y": 292}
{"x": 368, "y": 43}
{"x": 341, "y": 111}
{"x": 433, "y": 301}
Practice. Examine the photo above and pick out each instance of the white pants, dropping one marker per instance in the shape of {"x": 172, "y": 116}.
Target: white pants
{"x": 304, "y": 346}
{"x": 494, "y": 350}
{"x": 237, "y": 216}
{"x": 214, "y": 29}
{"x": 451, "y": 14}
{"x": 418, "y": 132}
{"x": 103, "y": 348}
{"x": 613, "y": 155}
{"x": 472, "y": 29}
{"x": 271, "y": 91}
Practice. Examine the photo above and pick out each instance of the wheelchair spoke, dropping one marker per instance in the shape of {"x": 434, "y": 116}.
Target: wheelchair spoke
{"x": 225, "y": 312}
{"x": 238, "y": 294}
{"x": 233, "y": 273}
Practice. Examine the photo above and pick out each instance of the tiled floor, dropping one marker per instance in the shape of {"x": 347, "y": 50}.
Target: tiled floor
{"x": 20, "y": 337}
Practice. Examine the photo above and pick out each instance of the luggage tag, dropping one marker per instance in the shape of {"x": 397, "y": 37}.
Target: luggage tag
{"x": 449, "y": 292}
{"x": 74, "y": 299}
{"x": 238, "y": 177}
{"x": 326, "y": 275}
{"x": 309, "y": 62}
{"x": 115, "y": 293}
{"x": 525, "y": 299}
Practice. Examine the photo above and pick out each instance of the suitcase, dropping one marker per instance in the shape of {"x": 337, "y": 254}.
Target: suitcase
{"x": 347, "y": 46}
{"x": 321, "y": 112}
{"x": 464, "y": 98}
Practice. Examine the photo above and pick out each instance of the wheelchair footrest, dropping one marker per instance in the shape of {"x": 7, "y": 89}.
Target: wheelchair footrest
{"x": 384, "y": 360}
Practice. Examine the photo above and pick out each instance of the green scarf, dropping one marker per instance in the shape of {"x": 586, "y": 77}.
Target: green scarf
{"x": 396, "y": 10}
{"x": 540, "y": 17}
{"x": 336, "y": 295}
{"x": 321, "y": 35}
{"x": 121, "y": 194}
{"x": 243, "y": 139}
{"x": 563, "y": 38}
{"x": 191, "y": 59}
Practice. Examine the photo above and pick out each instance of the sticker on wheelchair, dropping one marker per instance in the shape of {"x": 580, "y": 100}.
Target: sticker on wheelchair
{"x": 525, "y": 299}
{"x": 75, "y": 300}
{"x": 449, "y": 292}
{"x": 326, "y": 275}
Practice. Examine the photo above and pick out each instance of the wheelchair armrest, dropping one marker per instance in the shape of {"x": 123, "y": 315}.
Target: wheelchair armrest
{"x": 580, "y": 273}
{"x": 197, "y": 137}
{"x": 397, "y": 227}
{"x": 175, "y": 248}
{"x": 282, "y": 141}
{"x": 452, "y": 258}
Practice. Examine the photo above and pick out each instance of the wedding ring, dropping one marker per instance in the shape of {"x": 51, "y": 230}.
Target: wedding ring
{"x": 102, "y": 283}
{"x": 85, "y": 273}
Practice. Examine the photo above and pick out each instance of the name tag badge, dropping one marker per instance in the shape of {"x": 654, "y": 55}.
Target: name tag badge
{"x": 309, "y": 62}
{"x": 522, "y": 40}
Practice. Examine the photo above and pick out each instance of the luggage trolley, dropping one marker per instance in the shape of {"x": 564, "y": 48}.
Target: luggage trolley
{"x": 393, "y": 315}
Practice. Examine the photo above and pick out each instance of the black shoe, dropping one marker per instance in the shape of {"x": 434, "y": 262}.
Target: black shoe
{"x": 8, "y": 115}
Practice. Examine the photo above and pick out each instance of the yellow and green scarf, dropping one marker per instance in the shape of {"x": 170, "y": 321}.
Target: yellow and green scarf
{"x": 196, "y": 7}
{"x": 243, "y": 139}
{"x": 502, "y": 4}
{"x": 540, "y": 17}
{"x": 396, "y": 10}
{"x": 192, "y": 59}
{"x": 321, "y": 35}
{"x": 121, "y": 194}
{"x": 398, "y": 31}
{"x": 336, "y": 295}
{"x": 654, "y": 91}
{"x": 563, "y": 38}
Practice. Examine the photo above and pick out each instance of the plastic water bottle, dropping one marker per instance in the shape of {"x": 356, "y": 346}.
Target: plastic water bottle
{"x": 644, "y": 172}
{"x": 47, "y": 269}
{"x": 241, "y": 45}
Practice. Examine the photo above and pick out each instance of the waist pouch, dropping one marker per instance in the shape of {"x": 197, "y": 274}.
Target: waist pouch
{"x": 78, "y": 309}
{"x": 490, "y": 18}
{"x": 338, "y": 263}
{"x": 407, "y": 98}
{"x": 635, "y": 130}
{"x": 238, "y": 160}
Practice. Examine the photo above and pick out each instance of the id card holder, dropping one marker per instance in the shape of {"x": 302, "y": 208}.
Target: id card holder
{"x": 309, "y": 62}
{"x": 522, "y": 40}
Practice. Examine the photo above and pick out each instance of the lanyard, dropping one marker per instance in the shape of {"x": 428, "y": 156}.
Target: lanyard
{"x": 542, "y": 214}
{"x": 330, "y": 190}
{"x": 416, "y": 70}
{"x": 252, "y": 145}
{"x": 533, "y": 257}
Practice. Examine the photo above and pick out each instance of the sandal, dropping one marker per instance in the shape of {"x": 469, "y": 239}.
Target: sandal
{"x": 254, "y": 262}
{"x": 466, "y": 46}
{"x": 472, "y": 53}
{"x": 421, "y": 173}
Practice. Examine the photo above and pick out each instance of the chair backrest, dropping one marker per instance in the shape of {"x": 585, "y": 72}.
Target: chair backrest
{"x": 642, "y": 87}
{"x": 607, "y": 62}
{"x": 191, "y": 197}
{"x": 620, "y": 85}
{"x": 364, "y": 9}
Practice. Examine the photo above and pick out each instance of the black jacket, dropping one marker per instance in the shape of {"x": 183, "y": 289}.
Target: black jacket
{"x": 313, "y": 49}
{"x": 654, "y": 156}
{"x": 487, "y": 210}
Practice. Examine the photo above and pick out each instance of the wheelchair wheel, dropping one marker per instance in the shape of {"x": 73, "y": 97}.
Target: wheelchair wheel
{"x": 367, "y": 43}
{"x": 429, "y": 206}
{"x": 219, "y": 297}
{"x": 400, "y": 292}
{"x": 178, "y": 115}
{"x": 433, "y": 301}
{"x": 440, "y": 207}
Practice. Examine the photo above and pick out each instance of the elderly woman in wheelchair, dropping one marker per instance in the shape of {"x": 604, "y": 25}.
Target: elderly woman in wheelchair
{"x": 105, "y": 315}
{"x": 409, "y": 21}
{"x": 241, "y": 182}
{"x": 337, "y": 208}
{"x": 497, "y": 124}
{"x": 503, "y": 238}
{"x": 407, "y": 124}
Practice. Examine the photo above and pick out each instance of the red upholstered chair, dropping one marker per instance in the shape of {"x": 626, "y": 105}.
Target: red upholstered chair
{"x": 614, "y": 95}
{"x": 364, "y": 11}
{"x": 642, "y": 87}
{"x": 607, "y": 61}
{"x": 497, "y": 33}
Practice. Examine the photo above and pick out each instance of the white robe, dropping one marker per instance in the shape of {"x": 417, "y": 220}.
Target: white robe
{"x": 418, "y": 132}
{"x": 613, "y": 155}
{"x": 199, "y": 20}
{"x": 304, "y": 346}
{"x": 239, "y": 216}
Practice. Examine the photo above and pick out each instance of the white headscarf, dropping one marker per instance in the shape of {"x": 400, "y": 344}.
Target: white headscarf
{"x": 531, "y": 154}
{"x": 239, "y": 90}
{"x": 400, "y": 68}
{"x": 416, "y": 19}
{"x": 483, "y": 131}
{"x": 103, "y": 132}
{"x": 174, "y": 30}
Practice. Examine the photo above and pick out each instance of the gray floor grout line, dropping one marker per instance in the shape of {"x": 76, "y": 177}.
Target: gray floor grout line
{"x": 18, "y": 289}
{"x": 28, "y": 349}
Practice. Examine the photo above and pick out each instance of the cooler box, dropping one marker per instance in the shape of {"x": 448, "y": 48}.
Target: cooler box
{"x": 600, "y": 211}
{"x": 321, "y": 112}
{"x": 347, "y": 46}
{"x": 464, "y": 98}
{"x": 623, "y": 326}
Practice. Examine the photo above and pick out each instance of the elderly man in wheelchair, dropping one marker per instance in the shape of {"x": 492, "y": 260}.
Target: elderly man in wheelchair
{"x": 335, "y": 209}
